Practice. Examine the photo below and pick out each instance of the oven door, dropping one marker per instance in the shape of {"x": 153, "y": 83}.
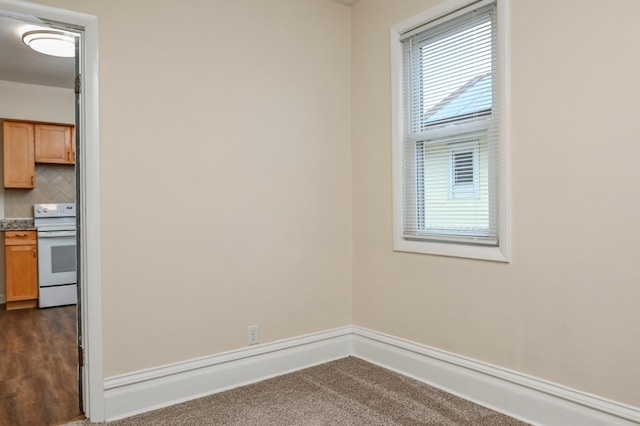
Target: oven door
{"x": 56, "y": 258}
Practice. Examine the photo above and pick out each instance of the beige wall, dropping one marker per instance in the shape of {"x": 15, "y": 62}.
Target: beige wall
{"x": 37, "y": 103}
{"x": 566, "y": 308}
{"x": 239, "y": 138}
{"x": 225, "y": 173}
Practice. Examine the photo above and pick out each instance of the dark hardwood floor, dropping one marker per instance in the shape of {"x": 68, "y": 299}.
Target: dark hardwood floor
{"x": 38, "y": 366}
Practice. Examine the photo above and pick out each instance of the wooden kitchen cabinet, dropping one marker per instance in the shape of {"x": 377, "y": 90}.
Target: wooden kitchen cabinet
{"x": 21, "y": 269}
{"x": 18, "y": 149}
{"x": 26, "y": 143}
{"x": 55, "y": 144}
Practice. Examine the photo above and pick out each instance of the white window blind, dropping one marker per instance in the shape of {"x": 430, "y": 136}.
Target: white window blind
{"x": 450, "y": 129}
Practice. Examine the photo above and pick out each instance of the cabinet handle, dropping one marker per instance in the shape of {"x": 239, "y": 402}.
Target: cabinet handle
{"x": 32, "y": 183}
{"x": 34, "y": 252}
{"x": 21, "y": 235}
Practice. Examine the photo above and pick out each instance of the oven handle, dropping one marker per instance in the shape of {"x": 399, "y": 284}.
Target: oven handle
{"x": 55, "y": 234}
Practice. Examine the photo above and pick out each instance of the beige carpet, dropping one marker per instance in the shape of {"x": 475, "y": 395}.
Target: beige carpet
{"x": 344, "y": 392}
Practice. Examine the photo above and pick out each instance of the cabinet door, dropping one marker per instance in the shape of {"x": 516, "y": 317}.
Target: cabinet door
{"x": 18, "y": 147}
{"x": 73, "y": 145}
{"x": 53, "y": 144}
{"x": 21, "y": 272}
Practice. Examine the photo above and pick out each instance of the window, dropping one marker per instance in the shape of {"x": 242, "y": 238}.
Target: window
{"x": 450, "y": 174}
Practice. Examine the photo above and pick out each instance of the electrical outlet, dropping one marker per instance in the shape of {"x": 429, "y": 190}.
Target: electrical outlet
{"x": 253, "y": 335}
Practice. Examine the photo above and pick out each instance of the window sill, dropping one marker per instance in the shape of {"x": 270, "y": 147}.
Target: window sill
{"x": 492, "y": 253}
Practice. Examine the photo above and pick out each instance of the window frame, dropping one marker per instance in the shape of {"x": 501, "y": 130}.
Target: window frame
{"x": 502, "y": 251}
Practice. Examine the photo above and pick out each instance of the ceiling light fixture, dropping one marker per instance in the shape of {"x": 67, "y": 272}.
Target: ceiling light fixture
{"x": 54, "y": 43}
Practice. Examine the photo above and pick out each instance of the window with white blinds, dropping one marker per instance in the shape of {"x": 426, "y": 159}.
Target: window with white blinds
{"x": 450, "y": 128}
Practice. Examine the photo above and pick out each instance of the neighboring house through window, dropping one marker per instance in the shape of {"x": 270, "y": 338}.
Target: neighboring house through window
{"x": 450, "y": 174}
{"x": 464, "y": 180}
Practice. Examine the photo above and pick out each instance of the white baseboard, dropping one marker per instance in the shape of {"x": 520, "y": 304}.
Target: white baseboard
{"x": 154, "y": 388}
{"x": 526, "y": 398}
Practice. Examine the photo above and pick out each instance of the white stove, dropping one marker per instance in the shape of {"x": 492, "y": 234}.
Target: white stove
{"x": 57, "y": 277}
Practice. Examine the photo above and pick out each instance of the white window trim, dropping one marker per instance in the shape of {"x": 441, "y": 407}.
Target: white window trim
{"x": 502, "y": 252}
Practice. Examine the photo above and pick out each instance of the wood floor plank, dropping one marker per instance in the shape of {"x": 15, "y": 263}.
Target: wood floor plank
{"x": 38, "y": 366}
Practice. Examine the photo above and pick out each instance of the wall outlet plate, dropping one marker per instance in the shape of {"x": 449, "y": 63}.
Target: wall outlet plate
{"x": 253, "y": 335}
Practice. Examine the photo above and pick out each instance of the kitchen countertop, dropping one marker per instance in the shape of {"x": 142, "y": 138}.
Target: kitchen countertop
{"x": 20, "y": 224}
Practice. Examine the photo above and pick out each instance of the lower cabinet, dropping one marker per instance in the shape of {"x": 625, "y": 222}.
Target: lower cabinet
{"x": 21, "y": 269}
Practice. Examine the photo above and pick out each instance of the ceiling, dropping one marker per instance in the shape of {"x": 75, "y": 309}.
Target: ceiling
{"x": 20, "y": 64}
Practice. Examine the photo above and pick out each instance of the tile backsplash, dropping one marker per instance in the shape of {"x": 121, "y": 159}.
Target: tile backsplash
{"x": 55, "y": 183}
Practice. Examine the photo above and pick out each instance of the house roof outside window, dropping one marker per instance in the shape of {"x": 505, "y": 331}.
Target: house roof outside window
{"x": 471, "y": 99}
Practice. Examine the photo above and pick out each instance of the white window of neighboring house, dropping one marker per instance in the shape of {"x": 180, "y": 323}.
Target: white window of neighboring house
{"x": 450, "y": 141}
{"x": 464, "y": 181}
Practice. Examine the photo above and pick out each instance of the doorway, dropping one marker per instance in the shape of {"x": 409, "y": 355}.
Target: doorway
{"x": 89, "y": 312}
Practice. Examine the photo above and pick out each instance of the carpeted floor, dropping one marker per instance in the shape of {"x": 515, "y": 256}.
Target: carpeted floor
{"x": 344, "y": 392}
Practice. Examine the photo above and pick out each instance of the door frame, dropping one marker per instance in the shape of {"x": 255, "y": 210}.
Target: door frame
{"x": 89, "y": 190}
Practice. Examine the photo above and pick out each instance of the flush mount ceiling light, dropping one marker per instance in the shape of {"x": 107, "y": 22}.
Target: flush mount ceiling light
{"x": 54, "y": 43}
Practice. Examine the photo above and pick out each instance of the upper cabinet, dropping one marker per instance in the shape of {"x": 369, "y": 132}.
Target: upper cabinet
{"x": 54, "y": 144}
{"x": 18, "y": 146}
{"x": 27, "y": 143}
